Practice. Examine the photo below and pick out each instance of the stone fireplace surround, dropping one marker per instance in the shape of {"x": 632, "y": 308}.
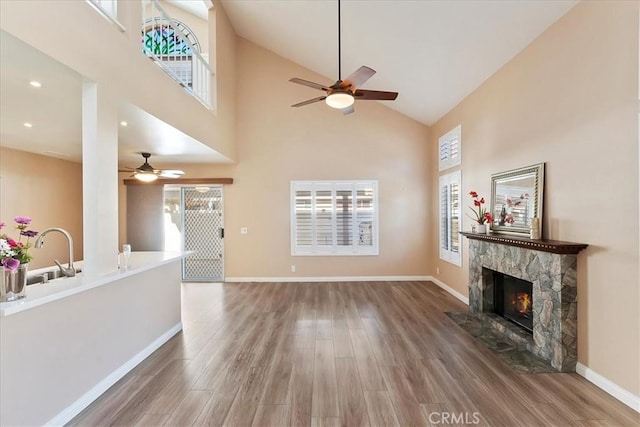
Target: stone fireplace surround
{"x": 551, "y": 267}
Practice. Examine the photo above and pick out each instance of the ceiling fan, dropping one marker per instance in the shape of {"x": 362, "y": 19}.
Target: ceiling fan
{"x": 343, "y": 93}
{"x": 147, "y": 173}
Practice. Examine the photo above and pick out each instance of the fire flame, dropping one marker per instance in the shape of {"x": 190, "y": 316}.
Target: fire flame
{"x": 524, "y": 302}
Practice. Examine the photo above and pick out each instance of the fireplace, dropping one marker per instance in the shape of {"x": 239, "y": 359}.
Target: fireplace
{"x": 526, "y": 290}
{"x": 513, "y": 299}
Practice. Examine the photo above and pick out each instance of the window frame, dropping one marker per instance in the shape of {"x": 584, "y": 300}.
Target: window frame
{"x": 334, "y": 249}
{"x": 446, "y": 253}
{"x": 446, "y": 140}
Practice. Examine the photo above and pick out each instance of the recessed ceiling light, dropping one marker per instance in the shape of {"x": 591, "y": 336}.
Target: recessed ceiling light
{"x": 27, "y": 125}
{"x": 35, "y": 83}
{"x": 123, "y": 123}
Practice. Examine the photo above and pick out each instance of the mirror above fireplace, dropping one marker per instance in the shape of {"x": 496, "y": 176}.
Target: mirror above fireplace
{"x": 516, "y": 198}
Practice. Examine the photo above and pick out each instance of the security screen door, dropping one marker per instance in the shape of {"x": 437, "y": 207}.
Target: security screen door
{"x": 203, "y": 225}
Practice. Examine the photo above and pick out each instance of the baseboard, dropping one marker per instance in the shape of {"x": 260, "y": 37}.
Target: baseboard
{"x": 86, "y": 399}
{"x": 449, "y": 289}
{"x": 290, "y": 279}
{"x": 624, "y": 396}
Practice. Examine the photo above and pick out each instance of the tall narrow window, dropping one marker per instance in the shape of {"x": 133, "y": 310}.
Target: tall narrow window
{"x": 449, "y": 147}
{"x": 450, "y": 218}
{"x": 334, "y": 218}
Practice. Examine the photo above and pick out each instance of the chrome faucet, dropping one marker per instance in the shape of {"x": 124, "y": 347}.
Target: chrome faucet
{"x": 69, "y": 271}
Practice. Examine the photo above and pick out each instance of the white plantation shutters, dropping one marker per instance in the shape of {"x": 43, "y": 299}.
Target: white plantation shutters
{"x": 450, "y": 148}
{"x": 334, "y": 218}
{"x": 450, "y": 217}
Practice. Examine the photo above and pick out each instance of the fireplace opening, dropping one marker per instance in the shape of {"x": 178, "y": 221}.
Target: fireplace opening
{"x": 513, "y": 299}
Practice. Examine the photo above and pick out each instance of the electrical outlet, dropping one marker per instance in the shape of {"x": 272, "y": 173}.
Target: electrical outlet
{"x": 293, "y": 268}
{"x": 244, "y": 230}
{"x": 437, "y": 270}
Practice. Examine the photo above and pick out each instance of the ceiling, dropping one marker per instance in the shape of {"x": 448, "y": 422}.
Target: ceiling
{"x": 199, "y": 8}
{"x": 55, "y": 113}
{"x": 434, "y": 53}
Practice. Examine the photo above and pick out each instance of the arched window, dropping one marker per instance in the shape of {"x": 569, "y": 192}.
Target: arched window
{"x": 168, "y": 38}
{"x": 170, "y": 42}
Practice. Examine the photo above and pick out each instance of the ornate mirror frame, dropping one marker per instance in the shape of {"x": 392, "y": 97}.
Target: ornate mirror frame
{"x": 516, "y": 197}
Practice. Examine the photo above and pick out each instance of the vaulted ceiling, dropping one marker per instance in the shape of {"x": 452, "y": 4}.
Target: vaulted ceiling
{"x": 434, "y": 53}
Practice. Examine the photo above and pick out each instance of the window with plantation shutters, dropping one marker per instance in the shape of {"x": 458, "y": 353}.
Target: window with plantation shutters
{"x": 334, "y": 218}
{"x": 450, "y": 217}
{"x": 450, "y": 148}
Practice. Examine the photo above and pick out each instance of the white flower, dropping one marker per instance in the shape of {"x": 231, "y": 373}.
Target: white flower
{"x": 5, "y": 249}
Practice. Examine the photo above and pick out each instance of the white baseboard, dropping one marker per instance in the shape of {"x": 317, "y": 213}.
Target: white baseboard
{"x": 624, "y": 396}
{"x": 449, "y": 289}
{"x": 86, "y": 399}
{"x": 327, "y": 279}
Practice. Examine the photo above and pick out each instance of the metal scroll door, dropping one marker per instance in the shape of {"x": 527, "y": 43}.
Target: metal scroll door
{"x": 203, "y": 225}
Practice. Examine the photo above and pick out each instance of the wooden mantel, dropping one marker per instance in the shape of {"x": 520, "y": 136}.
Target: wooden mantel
{"x": 544, "y": 245}
{"x": 180, "y": 181}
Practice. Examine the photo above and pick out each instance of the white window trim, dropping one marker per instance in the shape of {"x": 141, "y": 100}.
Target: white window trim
{"x": 447, "y": 254}
{"x": 335, "y": 250}
{"x": 446, "y": 139}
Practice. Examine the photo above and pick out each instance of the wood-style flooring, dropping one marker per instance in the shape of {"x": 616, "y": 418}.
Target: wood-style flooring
{"x": 332, "y": 354}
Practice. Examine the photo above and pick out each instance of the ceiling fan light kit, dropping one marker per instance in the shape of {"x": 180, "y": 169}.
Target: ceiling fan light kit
{"x": 342, "y": 94}
{"x": 340, "y": 100}
{"x": 145, "y": 176}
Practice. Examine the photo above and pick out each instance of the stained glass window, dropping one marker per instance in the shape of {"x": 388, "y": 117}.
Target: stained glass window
{"x": 162, "y": 38}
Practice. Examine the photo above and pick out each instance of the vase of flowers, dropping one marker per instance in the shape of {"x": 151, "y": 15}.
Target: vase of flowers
{"x": 14, "y": 260}
{"x": 481, "y": 216}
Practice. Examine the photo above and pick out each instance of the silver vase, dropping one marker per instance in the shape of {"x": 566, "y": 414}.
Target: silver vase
{"x": 13, "y": 283}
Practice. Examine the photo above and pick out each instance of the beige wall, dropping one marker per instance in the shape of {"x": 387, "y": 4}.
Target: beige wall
{"x": 277, "y": 144}
{"x": 50, "y": 192}
{"x": 570, "y": 100}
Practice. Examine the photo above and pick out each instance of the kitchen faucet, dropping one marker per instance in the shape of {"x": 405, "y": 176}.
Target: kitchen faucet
{"x": 69, "y": 271}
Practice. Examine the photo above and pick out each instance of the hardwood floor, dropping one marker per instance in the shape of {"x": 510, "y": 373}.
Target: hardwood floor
{"x": 332, "y": 354}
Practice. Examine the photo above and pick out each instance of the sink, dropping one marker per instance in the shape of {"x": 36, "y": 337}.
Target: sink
{"x": 47, "y": 276}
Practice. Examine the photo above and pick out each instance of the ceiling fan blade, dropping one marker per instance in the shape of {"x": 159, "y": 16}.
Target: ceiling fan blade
{"x": 309, "y": 101}
{"x": 375, "y": 95}
{"x": 171, "y": 173}
{"x": 348, "y": 110}
{"x": 359, "y": 77}
{"x": 308, "y": 83}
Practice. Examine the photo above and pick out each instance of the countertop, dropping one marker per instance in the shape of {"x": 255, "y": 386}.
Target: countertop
{"x": 53, "y": 290}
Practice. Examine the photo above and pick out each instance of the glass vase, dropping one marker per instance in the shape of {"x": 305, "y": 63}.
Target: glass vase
{"x": 13, "y": 283}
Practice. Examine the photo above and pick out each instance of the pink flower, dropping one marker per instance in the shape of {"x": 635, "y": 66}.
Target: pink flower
{"x": 12, "y": 243}
{"x": 10, "y": 263}
{"x": 2, "y": 224}
{"x": 24, "y": 220}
